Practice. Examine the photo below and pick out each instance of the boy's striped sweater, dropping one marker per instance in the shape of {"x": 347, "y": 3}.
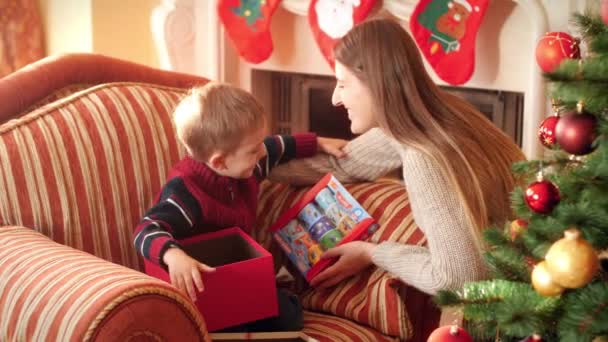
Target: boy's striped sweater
{"x": 196, "y": 200}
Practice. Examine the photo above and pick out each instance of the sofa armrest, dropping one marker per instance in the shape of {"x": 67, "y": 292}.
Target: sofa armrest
{"x": 49, "y": 291}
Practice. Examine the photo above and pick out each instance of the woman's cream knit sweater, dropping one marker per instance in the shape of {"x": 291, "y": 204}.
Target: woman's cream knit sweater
{"x": 451, "y": 258}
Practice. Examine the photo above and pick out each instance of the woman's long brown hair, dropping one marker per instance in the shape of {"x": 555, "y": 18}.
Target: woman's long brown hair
{"x": 473, "y": 154}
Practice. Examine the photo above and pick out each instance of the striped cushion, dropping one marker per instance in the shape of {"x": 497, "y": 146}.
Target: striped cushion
{"x": 371, "y": 297}
{"x": 327, "y": 328}
{"x": 51, "y": 292}
{"x": 83, "y": 169}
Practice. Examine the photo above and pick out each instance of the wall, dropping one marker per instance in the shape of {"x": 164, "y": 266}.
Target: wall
{"x": 118, "y": 28}
{"x": 67, "y": 25}
{"x": 121, "y": 28}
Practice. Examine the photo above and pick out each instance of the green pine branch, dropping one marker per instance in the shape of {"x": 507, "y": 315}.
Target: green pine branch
{"x": 518, "y": 203}
{"x": 506, "y": 259}
{"x": 593, "y": 94}
{"x": 589, "y": 25}
{"x": 507, "y": 263}
{"x": 587, "y": 313}
{"x": 591, "y": 69}
{"x": 537, "y": 244}
{"x": 514, "y": 307}
{"x": 599, "y": 45}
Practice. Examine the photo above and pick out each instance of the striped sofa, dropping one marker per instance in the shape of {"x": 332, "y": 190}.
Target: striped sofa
{"x": 85, "y": 144}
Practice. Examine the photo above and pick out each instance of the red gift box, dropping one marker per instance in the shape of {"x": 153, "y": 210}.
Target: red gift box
{"x": 242, "y": 289}
{"x": 326, "y": 207}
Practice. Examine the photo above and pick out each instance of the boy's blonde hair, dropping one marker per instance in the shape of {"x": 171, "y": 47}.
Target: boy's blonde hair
{"x": 215, "y": 117}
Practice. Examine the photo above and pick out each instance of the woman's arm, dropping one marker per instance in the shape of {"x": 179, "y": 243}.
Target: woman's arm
{"x": 451, "y": 258}
{"x": 368, "y": 157}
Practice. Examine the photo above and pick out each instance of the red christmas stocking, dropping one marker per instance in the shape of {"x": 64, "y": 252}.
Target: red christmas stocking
{"x": 445, "y": 32}
{"x": 248, "y": 25}
{"x": 330, "y": 20}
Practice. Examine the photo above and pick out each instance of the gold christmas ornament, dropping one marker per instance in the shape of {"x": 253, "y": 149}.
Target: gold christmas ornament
{"x": 572, "y": 261}
{"x": 542, "y": 282}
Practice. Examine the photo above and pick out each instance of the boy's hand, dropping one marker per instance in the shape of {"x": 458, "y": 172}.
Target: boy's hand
{"x": 332, "y": 146}
{"x": 185, "y": 270}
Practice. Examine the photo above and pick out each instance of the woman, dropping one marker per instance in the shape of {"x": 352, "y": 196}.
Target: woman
{"x": 456, "y": 163}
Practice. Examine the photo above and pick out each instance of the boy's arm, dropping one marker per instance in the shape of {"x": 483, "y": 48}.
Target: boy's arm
{"x": 173, "y": 216}
{"x": 368, "y": 157}
{"x": 283, "y": 148}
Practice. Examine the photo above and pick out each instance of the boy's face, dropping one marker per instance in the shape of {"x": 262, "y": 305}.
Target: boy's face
{"x": 241, "y": 162}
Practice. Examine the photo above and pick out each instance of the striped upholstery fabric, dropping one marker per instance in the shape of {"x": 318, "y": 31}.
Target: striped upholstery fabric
{"x": 371, "y": 297}
{"x": 83, "y": 169}
{"x": 326, "y": 328}
{"x": 51, "y": 292}
{"x": 56, "y": 95}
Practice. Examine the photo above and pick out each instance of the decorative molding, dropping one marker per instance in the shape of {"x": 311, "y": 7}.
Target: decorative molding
{"x": 535, "y": 102}
{"x": 173, "y": 29}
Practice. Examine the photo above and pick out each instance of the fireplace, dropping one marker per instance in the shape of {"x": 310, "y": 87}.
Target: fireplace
{"x": 299, "y": 102}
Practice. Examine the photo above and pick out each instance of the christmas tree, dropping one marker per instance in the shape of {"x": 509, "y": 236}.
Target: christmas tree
{"x": 548, "y": 277}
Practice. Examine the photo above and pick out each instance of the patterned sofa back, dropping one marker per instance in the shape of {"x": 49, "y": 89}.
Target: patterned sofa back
{"x": 83, "y": 169}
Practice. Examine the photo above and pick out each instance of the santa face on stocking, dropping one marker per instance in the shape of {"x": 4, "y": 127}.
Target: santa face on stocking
{"x": 330, "y": 20}
{"x": 335, "y": 17}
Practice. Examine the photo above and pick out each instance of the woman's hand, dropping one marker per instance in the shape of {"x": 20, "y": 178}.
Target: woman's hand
{"x": 184, "y": 271}
{"x": 353, "y": 258}
{"x": 332, "y": 146}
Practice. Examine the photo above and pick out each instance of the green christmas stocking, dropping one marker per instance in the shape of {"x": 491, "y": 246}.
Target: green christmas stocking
{"x": 445, "y": 32}
{"x": 247, "y": 23}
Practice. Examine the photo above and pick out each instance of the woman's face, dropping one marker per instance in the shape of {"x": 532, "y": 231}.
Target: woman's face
{"x": 356, "y": 97}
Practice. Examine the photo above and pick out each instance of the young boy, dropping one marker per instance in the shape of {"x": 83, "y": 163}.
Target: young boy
{"x": 223, "y": 130}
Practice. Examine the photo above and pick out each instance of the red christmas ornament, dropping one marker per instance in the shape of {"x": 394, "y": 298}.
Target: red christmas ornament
{"x": 530, "y": 262}
{"x": 575, "y": 132}
{"x": 542, "y": 196}
{"x": 546, "y": 131}
{"x": 517, "y": 227}
{"x": 532, "y": 338}
{"x": 604, "y": 11}
{"x": 553, "y": 48}
{"x": 450, "y": 333}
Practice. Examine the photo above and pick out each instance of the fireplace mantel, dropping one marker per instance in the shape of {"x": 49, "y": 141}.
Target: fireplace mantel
{"x": 190, "y": 38}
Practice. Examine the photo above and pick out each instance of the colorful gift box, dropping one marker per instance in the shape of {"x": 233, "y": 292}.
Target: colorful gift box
{"x": 242, "y": 289}
{"x": 325, "y": 217}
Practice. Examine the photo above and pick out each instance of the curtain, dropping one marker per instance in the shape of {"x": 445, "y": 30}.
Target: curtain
{"x": 21, "y": 38}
